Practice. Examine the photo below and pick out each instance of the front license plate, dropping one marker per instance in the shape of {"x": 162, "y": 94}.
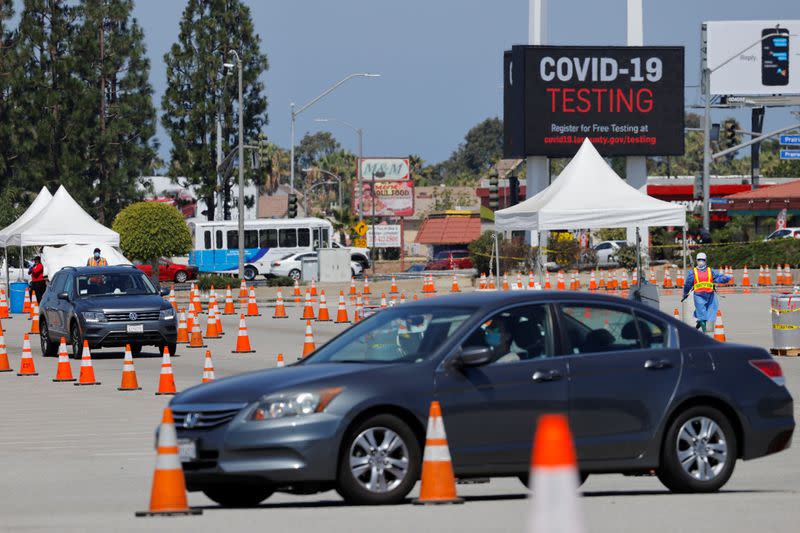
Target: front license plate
{"x": 135, "y": 328}
{"x": 187, "y": 450}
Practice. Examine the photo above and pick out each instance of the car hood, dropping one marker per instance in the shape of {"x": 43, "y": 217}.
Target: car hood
{"x": 249, "y": 387}
{"x": 124, "y": 302}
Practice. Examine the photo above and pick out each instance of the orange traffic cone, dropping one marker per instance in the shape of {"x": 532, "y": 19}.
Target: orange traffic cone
{"x": 353, "y": 291}
{"x": 171, "y": 300}
{"x": 129, "y": 381}
{"x": 323, "y": 315}
{"x": 635, "y": 277}
{"x": 86, "y": 376}
{"x": 402, "y": 297}
{"x": 4, "y": 364}
{"x": 745, "y": 277}
{"x": 313, "y": 287}
{"x": 393, "y": 288}
{"x": 229, "y": 309}
{"x": 667, "y": 279}
{"x": 482, "y": 283}
{"x": 26, "y": 303}
{"x": 554, "y": 479}
{"x": 625, "y": 282}
{"x": 547, "y": 284}
{"x": 383, "y": 301}
{"x": 341, "y": 312}
{"x": 719, "y": 327}
{"x": 166, "y": 380}
{"x": 243, "y": 340}
{"x": 680, "y": 281}
{"x": 35, "y": 322}
{"x": 26, "y": 365}
{"x": 357, "y": 313}
{"x": 3, "y": 305}
{"x": 64, "y": 369}
{"x": 531, "y": 281}
{"x": 252, "y": 306}
{"x": 168, "y": 494}
{"x": 653, "y": 277}
{"x": 308, "y": 309}
{"x": 183, "y": 331}
{"x": 198, "y": 305}
{"x": 592, "y": 282}
{"x": 788, "y": 277}
{"x": 280, "y": 308}
{"x": 34, "y": 306}
{"x": 561, "y": 284}
{"x": 208, "y": 368}
{"x": 492, "y": 285}
{"x": 505, "y": 285}
{"x": 438, "y": 482}
{"x": 279, "y": 361}
{"x": 308, "y": 343}
{"x": 296, "y": 292}
{"x": 767, "y": 277}
{"x": 455, "y": 287}
{"x": 676, "y": 314}
{"x": 366, "y": 286}
{"x": 243, "y": 289}
{"x": 212, "y": 331}
{"x": 196, "y": 340}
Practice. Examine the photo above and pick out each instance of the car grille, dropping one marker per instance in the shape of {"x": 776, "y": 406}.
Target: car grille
{"x": 205, "y": 419}
{"x": 125, "y": 317}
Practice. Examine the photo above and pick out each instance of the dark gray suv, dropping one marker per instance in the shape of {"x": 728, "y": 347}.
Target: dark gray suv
{"x": 107, "y": 306}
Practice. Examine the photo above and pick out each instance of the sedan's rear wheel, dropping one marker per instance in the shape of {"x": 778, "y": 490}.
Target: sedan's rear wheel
{"x": 238, "y": 495}
{"x": 181, "y": 276}
{"x": 379, "y": 463}
{"x": 699, "y": 451}
{"x": 294, "y": 274}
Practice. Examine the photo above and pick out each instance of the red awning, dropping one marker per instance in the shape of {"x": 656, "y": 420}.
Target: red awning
{"x": 449, "y": 230}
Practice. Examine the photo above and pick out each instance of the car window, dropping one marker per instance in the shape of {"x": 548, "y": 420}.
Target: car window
{"x": 251, "y": 238}
{"x": 603, "y": 246}
{"x": 304, "y": 237}
{"x": 653, "y": 332}
{"x": 460, "y": 255}
{"x": 57, "y": 284}
{"x": 514, "y": 335}
{"x": 402, "y": 334}
{"x": 69, "y": 285}
{"x": 442, "y": 255}
{"x": 268, "y": 238}
{"x": 595, "y": 328}
{"x": 287, "y": 238}
{"x": 114, "y": 284}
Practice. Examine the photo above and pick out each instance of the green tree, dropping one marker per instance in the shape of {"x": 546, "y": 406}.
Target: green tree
{"x": 209, "y": 30}
{"x": 119, "y": 117}
{"x": 150, "y": 230}
{"x": 8, "y": 72}
{"x": 482, "y": 148}
{"x": 312, "y": 147}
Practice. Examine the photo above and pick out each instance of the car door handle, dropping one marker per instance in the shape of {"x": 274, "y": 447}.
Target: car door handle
{"x": 546, "y": 375}
{"x": 657, "y": 364}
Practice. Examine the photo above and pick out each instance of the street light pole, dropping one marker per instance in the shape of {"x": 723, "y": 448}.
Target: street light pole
{"x": 323, "y": 94}
{"x": 241, "y": 167}
{"x": 359, "y": 177}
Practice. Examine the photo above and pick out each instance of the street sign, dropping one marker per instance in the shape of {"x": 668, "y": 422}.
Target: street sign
{"x": 790, "y": 154}
{"x": 386, "y": 236}
{"x": 361, "y": 242}
{"x": 790, "y": 140}
{"x": 361, "y": 228}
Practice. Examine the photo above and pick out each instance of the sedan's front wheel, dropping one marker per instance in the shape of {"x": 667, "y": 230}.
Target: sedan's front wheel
{"x": 379, "y": 463}
{"x": 699, "y": 451}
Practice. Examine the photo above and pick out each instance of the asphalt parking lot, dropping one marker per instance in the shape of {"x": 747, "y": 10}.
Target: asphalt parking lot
{"x": 81, "y": 458}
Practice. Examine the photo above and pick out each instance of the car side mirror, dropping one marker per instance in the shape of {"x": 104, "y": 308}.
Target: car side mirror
{"x": 474, "y": 356}
{"x": 164, "y": 291}
{"x": 63, "y": 296}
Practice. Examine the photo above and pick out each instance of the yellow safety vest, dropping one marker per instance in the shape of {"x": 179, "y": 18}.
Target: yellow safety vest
{"x": 706, "y": 285}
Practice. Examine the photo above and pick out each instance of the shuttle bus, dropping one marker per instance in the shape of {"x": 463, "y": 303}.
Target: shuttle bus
{"x": 216, "y": 243}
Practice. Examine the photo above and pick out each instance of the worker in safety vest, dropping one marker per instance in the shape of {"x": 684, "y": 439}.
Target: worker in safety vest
{"x": 97, "y": 260}
{"x": 701, "y": 279}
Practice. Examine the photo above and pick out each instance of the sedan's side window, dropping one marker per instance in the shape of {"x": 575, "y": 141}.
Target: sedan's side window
{"x": 596, "y": 329}
{"x": 654, "y": 333}
{"x": 518, "y": 334}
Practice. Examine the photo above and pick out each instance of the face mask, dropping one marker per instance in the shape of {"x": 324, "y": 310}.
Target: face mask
{"x": 493, "y": 338}
{"x": 97, "y": 255}
{"x": 701, "y": 264}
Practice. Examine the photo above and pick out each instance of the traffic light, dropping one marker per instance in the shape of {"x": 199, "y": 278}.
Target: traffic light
{"x": 292, "y": 205}
{"x": 730, "y": 134}
{"x": 493, "y": 196}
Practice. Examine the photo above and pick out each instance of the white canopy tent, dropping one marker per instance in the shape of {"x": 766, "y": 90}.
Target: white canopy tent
{"x": 62, "y": 221}
{"x": 54, "y": 258}
{"x": 38, "y": 204}
{"x": 588, "y": 194}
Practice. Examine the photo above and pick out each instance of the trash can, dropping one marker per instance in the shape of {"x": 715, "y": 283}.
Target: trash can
{"x": 16, "y": 295}
{"x": 785, "y": 312}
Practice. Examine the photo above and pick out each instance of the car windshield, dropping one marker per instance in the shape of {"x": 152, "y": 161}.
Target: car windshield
{"x": 113, "y": 284}
{"x": 401, "y": 334}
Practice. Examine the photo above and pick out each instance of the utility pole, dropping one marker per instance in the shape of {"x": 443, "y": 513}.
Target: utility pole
{"x": 241, "y": 166}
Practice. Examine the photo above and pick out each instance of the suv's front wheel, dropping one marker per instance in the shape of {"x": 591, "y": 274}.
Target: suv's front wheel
{"x": 76, "y": 339}
{"x": 49, "y": 348}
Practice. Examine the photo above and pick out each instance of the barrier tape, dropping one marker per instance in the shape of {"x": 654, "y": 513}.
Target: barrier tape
{"x": 783, "y": 311}
{"x": 784, "y": 326}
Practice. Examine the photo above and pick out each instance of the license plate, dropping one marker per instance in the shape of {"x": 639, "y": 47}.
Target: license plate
{"x": 187, "y": 450}
{"x": 135, "y": 328}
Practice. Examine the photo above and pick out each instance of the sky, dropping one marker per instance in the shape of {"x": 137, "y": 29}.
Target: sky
{"x": 440, "y": 61}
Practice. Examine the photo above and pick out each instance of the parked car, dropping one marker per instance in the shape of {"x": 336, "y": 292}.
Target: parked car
{"x": 291, "y": 265}
{"x": 107, "y": 306}
{"x": 785, "y": 233}
{"x": 359, "y": 255}
{"x": 450, "y": 260}
{"x": 169, "y": 271}
{"x": 417, "y": 267}
{"x": 643, "y": 392}
{"x": 606, "y": 252}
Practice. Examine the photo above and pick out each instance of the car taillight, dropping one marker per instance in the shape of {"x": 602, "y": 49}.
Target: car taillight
{"x": 276, "y": 264}
{"x": 771, "y": 369}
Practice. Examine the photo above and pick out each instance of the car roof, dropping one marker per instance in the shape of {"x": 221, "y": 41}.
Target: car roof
{"x": 87, "y": 270}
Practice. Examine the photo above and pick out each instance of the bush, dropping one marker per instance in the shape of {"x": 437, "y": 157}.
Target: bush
{"x": 514, "y": 254}
{"x": 280, "y": 281}
{"x": 219, "y": 281}
{"x": 753, "y": 254}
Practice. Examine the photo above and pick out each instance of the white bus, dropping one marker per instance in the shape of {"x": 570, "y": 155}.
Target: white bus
{"x": 216, "y": 244}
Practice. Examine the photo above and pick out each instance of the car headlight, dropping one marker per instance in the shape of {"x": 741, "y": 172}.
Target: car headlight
{"x": 293, "y": 404}
{"x": 167, "y": 314}
{"x": 92, "y": 316}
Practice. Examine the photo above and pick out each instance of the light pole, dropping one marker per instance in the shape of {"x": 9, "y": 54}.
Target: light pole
{"x": 359, "y": 177}
{"x": 311, "y": 102}
{"x": 241, "y": 167}
{"x": 331, "y": 174}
